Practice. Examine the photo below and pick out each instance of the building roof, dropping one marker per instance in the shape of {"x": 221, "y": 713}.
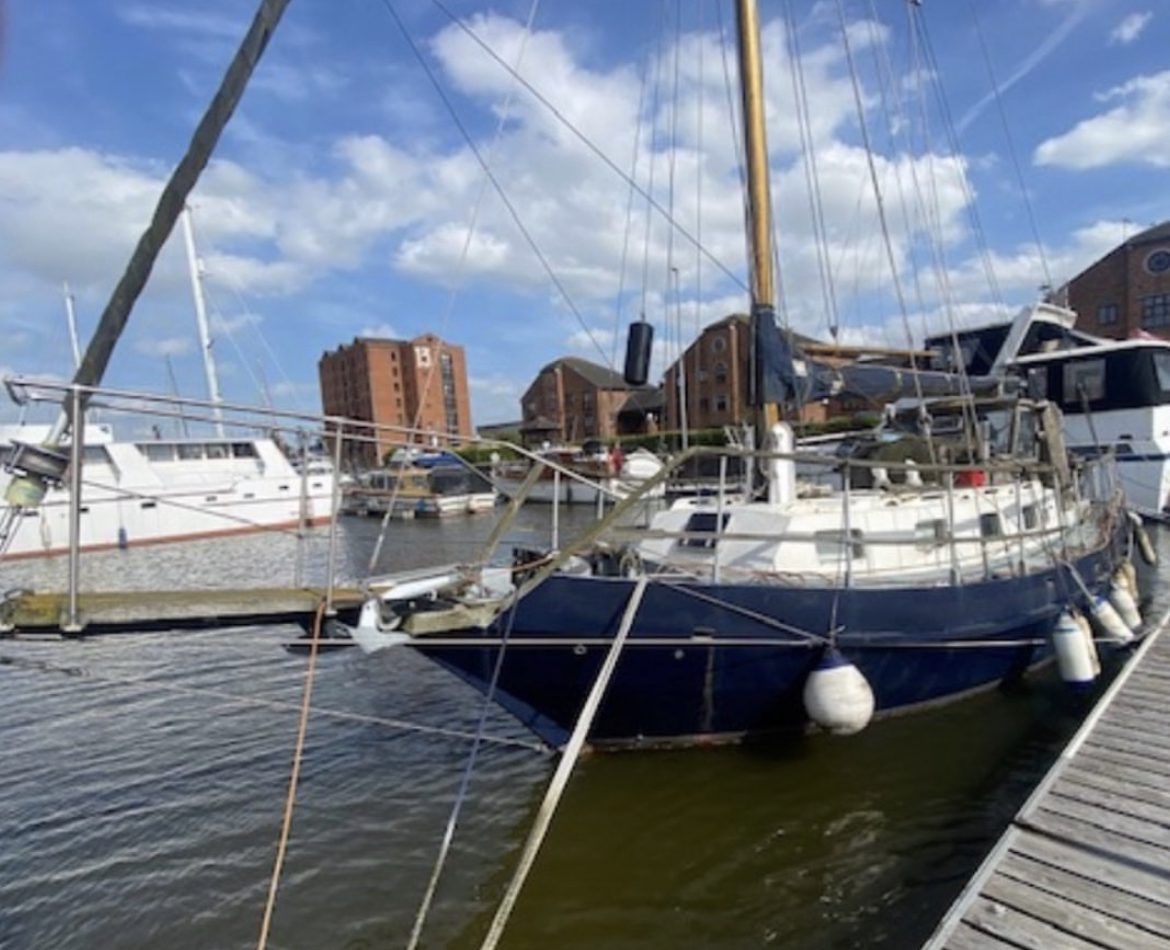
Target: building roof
{"x": 646, "y": 400}
{"x": 600, "y": 376}
{"x": 540, "y": 424}
{"x": 1159, "y": 232}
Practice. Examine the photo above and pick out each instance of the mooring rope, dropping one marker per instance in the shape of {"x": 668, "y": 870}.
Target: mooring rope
{"x": 402, "y": 724}
{"x": 294, "y": 777}
{"x": 560, "y": 779}
{"x": 464, "y": 782}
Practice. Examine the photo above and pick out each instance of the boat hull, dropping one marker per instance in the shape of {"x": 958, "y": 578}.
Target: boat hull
{"x": 709, "y": 662}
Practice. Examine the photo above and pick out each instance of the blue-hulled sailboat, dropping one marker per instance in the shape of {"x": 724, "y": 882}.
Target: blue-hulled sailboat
{"x": 938, "y": 564}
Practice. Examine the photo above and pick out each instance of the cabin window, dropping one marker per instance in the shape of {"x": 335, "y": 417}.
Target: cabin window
{"x": 1038, "y": 382}
{"x": 243, "y": 450}
{"x": 702, "y": 529}
{"x": 148, "y": 504}
{"x": 1156, "y": 310}
{"x": 1162, "y": 367}
{"x": 1107, "y": 313}
{"x": 828, "y": 544}
{"x": 1030, "y": 517}
{"x": 189, "y": 451}
{"x": 92, "y": 454}
{"x": 158, "y": 451}
{"x": 930, "y": 534}
{"x": 989, "y": 525}
{"x": 1084, "y": 379}
{"x": 216, "y": 450}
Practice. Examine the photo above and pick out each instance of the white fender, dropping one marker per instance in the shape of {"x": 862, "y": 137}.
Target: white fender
{"x": 1128, "y": 573}
{"x": 1149, "y": 555}
{"x": 1108, "y": 621}
{"x": 1086, "y": 629}
{"x": 1122, "y": 600}
{"x": 837, "y": 697}
{"x": 1075, "y": 657}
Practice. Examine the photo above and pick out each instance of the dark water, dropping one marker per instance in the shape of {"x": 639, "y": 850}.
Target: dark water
{"x": 142, "y": 783}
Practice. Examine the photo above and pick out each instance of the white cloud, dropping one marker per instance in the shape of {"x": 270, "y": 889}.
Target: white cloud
{"x": 1137, "y": 130}
{"x": 153, "y": 17}
{"x": 381, "y": 331}
{"x": 168, "y": 346}
{"x": 588, "y": 341}
{"x": 1130, "y": 28}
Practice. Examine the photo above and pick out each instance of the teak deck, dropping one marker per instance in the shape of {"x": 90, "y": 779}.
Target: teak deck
{"x": 1086, "y": 862}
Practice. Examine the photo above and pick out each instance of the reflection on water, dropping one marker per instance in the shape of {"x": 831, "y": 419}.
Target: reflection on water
{"x": 140, "y": 804}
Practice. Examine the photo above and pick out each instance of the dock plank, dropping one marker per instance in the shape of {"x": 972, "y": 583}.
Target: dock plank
{"x": 1074, "y": 911}
{"x": 967, "y": 937}
{"x": 1070, "y": 857}
{"x": 1150, "y": 918}
{"x": 1105, "y": 755}
{"x": 1018, "y": 929}
{"x": 1136, "y": 785}
{"x": 1086, "y": 861}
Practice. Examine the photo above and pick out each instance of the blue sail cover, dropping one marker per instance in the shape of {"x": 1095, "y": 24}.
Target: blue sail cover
{"x": 785, "y": 376}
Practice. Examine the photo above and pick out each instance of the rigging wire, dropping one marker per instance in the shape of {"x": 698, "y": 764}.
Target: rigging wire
{"x": 1011, "y": 147}
{"x": 464, "y": 783}
{"x": 617, "y": 308}
{"x": 811, "y": 171}
{"x": 648, "y": 193}
{"x": 700, "y": 99}
{"x": 879, "y": 201}
{"x": 485, "y": 164}
{"x": 918, "y": 21}
{"x": 487, "y": 170}
{"x": 584, "y": 139}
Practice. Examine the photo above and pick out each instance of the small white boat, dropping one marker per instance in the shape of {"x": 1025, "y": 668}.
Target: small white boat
{"x": 571, "y": 477}
{"x": 164, "y": 490}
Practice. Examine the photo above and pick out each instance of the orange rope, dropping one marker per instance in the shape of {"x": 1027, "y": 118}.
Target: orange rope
{"x": 290, "y": 800}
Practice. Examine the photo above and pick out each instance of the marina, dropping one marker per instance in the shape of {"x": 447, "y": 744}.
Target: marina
{"x": 685, "y": 679}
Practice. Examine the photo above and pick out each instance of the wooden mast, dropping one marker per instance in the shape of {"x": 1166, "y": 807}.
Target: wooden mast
{"x": 759, "y": 199}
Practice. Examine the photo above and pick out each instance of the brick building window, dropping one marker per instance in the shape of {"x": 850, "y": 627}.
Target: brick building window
{"x": 720, "y": 372}
{"x": 721, "y": 404}
{"x": 1107, "y": 313}
{"x": 1156, "y": 311}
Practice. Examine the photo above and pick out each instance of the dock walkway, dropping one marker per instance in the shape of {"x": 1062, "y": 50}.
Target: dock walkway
{"x": 1086, "y": 861}
{"x": 26, "y": 612}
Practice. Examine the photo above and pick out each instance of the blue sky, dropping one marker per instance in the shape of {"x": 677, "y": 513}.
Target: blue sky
{"x": 341, "y": 197}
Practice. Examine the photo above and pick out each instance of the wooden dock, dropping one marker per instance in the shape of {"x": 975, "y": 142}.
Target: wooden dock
{"x": 23, "y": 612}
{"x": 1086, "y": 861}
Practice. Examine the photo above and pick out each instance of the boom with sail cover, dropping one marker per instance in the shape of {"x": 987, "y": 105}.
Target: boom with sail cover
{"x": 785, "y": 376}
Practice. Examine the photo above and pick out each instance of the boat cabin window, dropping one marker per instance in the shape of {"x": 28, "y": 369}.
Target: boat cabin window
{"x": 1029, "y": 517}
{"x": 95, "y": 454}
{"x": 157, "y": 451}
{"x": 930, "y": 534}
{"x": 1084, "y": 379}
{"x": 1038, "y": 382}
{"x": 243, "y": 450}
{"x": 217, "y": 450}
{"x": 1162, "y": 368}
{"x": 188, "y": 451}
{"x": 989, "y": 525}
{"x": 701, "y": 529}
{"x": 828, "y": 544}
